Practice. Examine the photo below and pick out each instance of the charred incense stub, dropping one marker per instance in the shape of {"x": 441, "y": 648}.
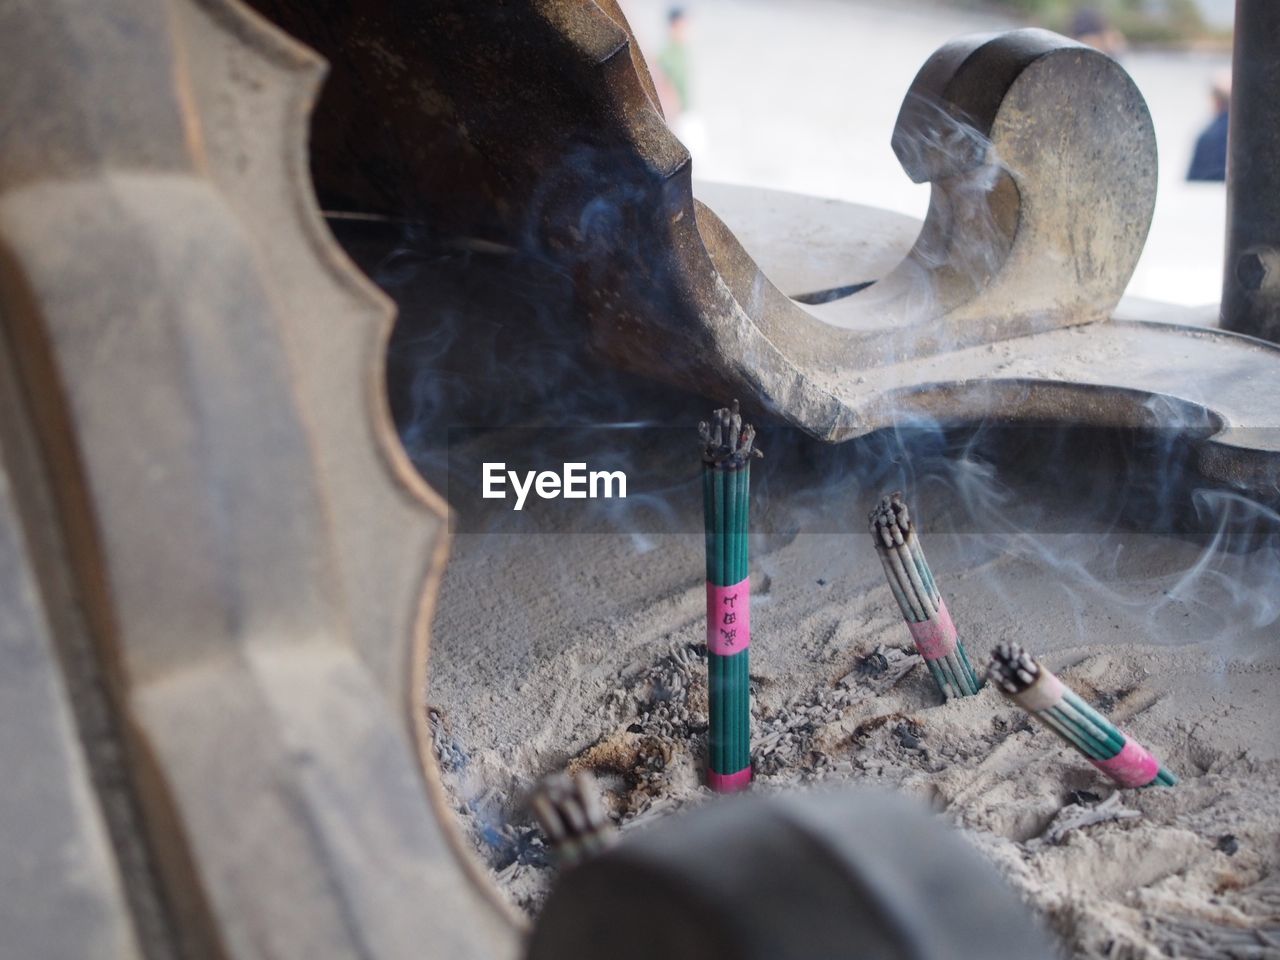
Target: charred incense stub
{"x": 1035, "y": 689}
{"x": 1012, "y": 669}
{"x": 569, "y": 810}
{"x": 916, "y": 592}
{"x": 727, "y": 443}
{"x": 891, "y": 519}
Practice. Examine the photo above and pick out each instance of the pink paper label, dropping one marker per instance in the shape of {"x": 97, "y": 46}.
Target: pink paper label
{"x": 729, "y": 782}
{"x": 728, "y": 618}
{"x": 934, "y": 638}
{"x": 1133, "y": 766}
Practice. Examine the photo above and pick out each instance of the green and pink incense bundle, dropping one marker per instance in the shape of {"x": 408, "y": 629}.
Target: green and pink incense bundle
{"x": 1034, "y": 688}
{"x": 922, "y": 606}
{"x": 727, "y": 450}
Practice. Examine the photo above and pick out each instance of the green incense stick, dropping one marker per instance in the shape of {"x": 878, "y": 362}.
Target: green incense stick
{"x": 1034, "y": 688}
{"x": 727, "y": 450}
{"x": 916, "y": 592}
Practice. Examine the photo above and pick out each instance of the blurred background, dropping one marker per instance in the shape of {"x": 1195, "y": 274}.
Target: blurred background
{"x": 802, "y": 95}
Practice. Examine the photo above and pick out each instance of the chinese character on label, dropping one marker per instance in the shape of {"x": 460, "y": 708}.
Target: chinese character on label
{"x": 730, "y": 617}
{"x": 729, "y": 598}
{"x": 728, "y": 636}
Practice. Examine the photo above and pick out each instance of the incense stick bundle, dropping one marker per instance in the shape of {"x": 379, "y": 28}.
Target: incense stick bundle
{"x": 1032, "y": 687}
{"x": 922, "y": 606}
{"x": 569, "y": 810}
{"x": 727, "y": 449}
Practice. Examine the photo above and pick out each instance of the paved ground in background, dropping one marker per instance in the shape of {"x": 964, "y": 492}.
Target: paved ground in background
{"x": 802, "y": 95}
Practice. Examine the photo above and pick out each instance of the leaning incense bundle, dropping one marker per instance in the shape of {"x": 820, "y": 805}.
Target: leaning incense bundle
{"x": 1059, "y": 708}
{"x": 569, "y": 810}
{"x": 922, "y": 606}
{"x": 727, "y": 449}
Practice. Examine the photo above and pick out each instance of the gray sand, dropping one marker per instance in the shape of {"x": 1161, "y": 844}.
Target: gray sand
{"x": 582, "y": 650}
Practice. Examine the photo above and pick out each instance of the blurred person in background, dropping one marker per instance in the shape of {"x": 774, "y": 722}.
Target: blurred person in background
{"x": 673, "y": 65}
{"x": 1209, "y": 161}
{"x": 673, "y": 78}
{"x": 1090, "y": 26}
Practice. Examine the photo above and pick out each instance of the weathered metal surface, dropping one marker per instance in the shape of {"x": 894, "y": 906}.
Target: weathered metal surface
{"x": 545, "y": 135}
{"x": 808, "y": 245}
{"x": 789, "y": 877}
{"x": 255, "y": 557}
{"x": 488, "y": 119}
{"x": 1222, "y": 389}
{"x": 1042, "y": 159}
{"x": 1251, "y": 280}
{"x": 63, "y": 898}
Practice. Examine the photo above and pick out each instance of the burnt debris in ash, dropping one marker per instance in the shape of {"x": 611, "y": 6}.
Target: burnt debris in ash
{"x": 908, "y": 735}
{"x": 1082, "y": 798}
{"x": 874, "y": 664}
{"x": 1075, "y": 817}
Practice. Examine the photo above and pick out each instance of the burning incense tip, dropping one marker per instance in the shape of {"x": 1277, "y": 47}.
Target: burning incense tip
{"x": 728, "y": 446}
{"x": 1012, "y": 669}
{"x": 1035, "y": 689}
{"x": 569, "y": 810}
{"x": 916, "y": 592}
{"x": 726, "y": 440}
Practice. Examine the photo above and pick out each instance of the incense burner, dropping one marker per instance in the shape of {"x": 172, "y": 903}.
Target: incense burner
{"x": 217, "y": 560}
{"x": 1006, "y": 302}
